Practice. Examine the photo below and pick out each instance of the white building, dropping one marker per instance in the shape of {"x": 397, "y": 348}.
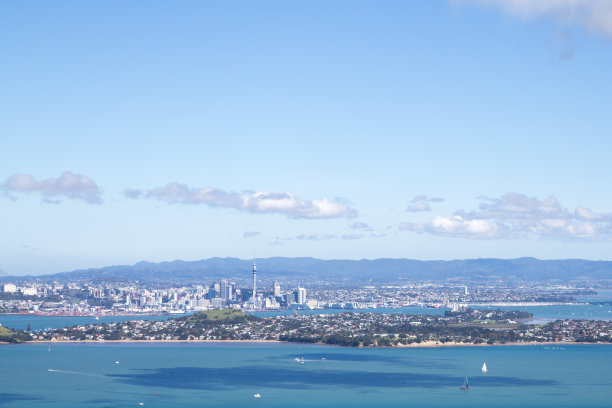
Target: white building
{"x": 301, "y": 296}
{"x": 29, "y": 291}
{"x": 9, "y": 288}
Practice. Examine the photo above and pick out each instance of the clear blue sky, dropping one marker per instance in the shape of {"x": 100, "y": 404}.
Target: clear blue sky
{"x": 156, "y": 131}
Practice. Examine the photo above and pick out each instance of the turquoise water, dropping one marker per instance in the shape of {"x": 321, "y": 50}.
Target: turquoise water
{"x": 542, "y": 314}
{"x": 229, "y": 374}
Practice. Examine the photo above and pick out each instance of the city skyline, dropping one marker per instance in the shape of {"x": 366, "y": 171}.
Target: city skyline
{"x": 345, "y": 130}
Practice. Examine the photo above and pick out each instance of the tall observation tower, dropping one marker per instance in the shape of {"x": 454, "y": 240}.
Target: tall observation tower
{"x": 254, "y": 284}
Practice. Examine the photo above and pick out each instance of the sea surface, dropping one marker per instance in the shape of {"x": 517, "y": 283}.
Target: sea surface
{"x": 603, "y": 295}
{"x": 230, "y": 374}
{"x": 20, "y": 322}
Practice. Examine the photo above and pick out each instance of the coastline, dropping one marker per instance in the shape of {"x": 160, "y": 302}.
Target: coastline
{"x": 425, "y": 344}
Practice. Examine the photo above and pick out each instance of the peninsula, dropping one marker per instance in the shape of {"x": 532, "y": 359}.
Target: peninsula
{"x": 468, "y": 326}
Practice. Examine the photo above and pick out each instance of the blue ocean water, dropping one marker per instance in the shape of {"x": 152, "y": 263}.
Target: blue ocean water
{"x": 543, "y": 314}
{"x": 229, "y": 374}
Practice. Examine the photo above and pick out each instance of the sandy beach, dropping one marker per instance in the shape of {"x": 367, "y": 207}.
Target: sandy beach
{"x": 423, "y": 344}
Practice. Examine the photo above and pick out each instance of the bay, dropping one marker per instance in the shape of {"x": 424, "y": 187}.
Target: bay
{"x": 229, "y": 374}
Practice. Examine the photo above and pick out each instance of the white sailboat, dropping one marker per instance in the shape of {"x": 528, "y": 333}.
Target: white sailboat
{"x": 484, "y": 367}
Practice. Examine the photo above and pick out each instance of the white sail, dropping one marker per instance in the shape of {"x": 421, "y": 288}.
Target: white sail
{"x": 484, "y": 367}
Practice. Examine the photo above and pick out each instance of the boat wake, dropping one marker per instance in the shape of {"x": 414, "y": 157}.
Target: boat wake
{"x": 73, "y": 372}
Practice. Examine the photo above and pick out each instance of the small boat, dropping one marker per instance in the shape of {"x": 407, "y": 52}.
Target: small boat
{"x": 466, "y": 385}
{"x": 258, "y": 395}
{"x": 484, "y": 367}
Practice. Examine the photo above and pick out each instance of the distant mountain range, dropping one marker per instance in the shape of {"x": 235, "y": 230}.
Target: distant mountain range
{"x": 349, "y": 271}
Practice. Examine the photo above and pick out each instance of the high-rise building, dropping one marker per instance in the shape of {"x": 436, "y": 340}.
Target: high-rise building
{"x": 229, "y": 292}
{"x": 276, "y": 289}
{"x": 223, "y": 289}
{"x": 254, "y": 284}
{"x": 301, "y": 296}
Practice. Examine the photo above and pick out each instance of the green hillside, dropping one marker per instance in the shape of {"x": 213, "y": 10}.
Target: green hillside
{"x": 11, "y": 336}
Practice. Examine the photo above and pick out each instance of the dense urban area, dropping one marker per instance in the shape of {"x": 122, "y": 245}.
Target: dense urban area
{"x": 216, "y": 311}
{"x": 76, "y": 298}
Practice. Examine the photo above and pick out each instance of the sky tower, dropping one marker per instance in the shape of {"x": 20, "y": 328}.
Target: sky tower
{"x": 254, "y": 284}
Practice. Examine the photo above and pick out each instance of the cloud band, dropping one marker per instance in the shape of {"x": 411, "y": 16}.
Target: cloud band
{"x": 253, "y": 202}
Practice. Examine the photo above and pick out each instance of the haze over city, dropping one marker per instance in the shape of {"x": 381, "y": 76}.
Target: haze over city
{"x": 423, "y": 130}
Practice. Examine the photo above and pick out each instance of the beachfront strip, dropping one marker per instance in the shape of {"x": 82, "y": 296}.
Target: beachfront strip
{"x": 469, "y": 326}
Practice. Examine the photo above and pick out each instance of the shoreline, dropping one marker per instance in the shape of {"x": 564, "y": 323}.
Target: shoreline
{"x": 427, "y": 344}
{"x": 94, "y": 315}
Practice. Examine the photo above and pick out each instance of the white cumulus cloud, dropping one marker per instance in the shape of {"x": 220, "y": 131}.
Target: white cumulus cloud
{"x": 67, "y": 185}
{"x": 254, "y": 202}
{"x": 594, "y": 15}
{"x": 514, "y": 215}
{"x": 457, "y": 226}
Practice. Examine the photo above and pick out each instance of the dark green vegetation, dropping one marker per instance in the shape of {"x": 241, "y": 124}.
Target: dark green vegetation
{"x": 12, "y": 336}
{"x": 468, "y": 326}
{"x": 219, "y": 316}
{"x": 354, "y": 271}
{"x": 493, "y": 315}
{"x": 213, "y": 324}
